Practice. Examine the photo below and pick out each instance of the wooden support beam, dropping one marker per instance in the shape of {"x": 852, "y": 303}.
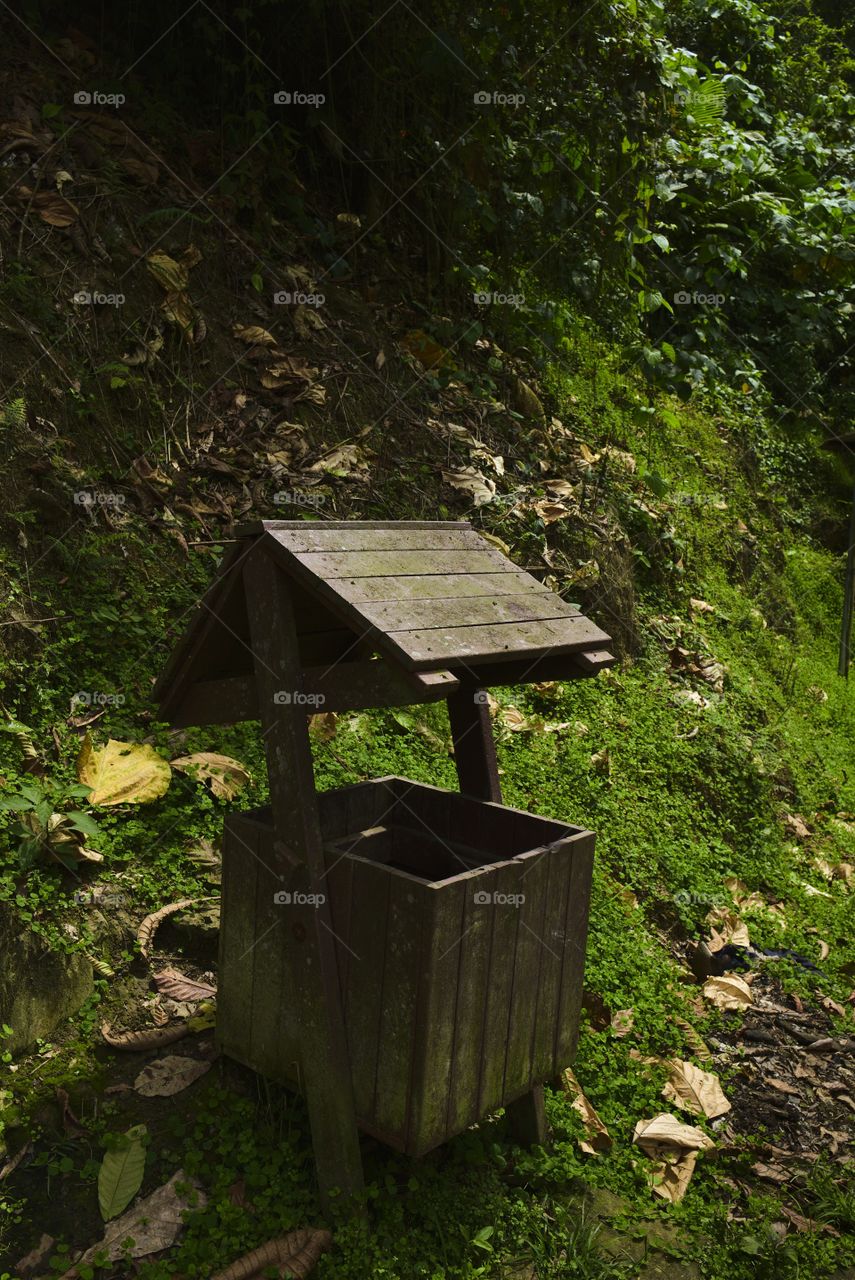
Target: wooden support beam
{"x": 308, "y": 939}
{"x": 478, "y": 775}
{"x": 347, "y": 686}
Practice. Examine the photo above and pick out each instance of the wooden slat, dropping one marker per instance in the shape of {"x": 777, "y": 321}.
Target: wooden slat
{"x": 548, "y": 993}
{"x": 406, "y": 907}
{"x": 462, "y": 646}
{"x": 504, "y": 880}
{"x": 473, "y": 987}
{"x": 254, "y": 527}
{"x": 465, "y": 611}
{"x": 532, "y": 874}
{"x": 434, "y": 1043}
{"x": 395, "y": 564}
{"x": 439, "y": 585}
{"x": 363, "y": 1000}
{"x": 346, "y": 686}
{"x": 573, "y": 968}
{"x": 237, "y": 934}
{"x": 548, "y": 666}
{"x": 310, "y": 538}
{"x": 272, "y": 924}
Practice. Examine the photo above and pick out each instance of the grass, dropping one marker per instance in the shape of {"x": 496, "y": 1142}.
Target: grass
{"x": 680, "y": 797}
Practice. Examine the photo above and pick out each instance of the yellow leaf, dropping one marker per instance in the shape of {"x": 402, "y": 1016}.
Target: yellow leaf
{"x": 170, "y": 275}
{"x": 225, "y": 775}
{"x": 428, "y": 352}
{"x": 122, "y": 772}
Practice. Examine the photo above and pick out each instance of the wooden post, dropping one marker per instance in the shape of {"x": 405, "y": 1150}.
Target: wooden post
{"x": 478, "y": 775}
{"x": 311, "y": 968}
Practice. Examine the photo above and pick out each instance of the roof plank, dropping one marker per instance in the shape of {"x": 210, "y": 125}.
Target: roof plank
{"x": 439, "y": 586}
{"x": 437, "y": 538}
{"x": 464, "y": 611}
{"x": 395, "y": 564}
{"x": 464, "y": 646}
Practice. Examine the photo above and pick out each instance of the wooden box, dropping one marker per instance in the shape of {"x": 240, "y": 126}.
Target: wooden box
{"x": 460, "y": 929}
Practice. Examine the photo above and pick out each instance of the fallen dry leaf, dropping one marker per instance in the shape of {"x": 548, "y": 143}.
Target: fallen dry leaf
{"x": 225, "y": 776}
{"x": 122, "y": 772}
{"x": 147, "y": 929}
{"x": 623, "y": 1021}
{"x": 293, "y": 1255}
{"x": 674, "y": 1147}
{"x": 172, "y": 983}
{"x": 169, "y": 1075}
{"x": 728, "y": 992}
{"x": 150, "y": 1038}
{"x": 726, "y": 928}
{"x": 596, "y": 1134}
{"x": 694, "y": 1090}
{"x": 151, "y": 1225}
{"x": 473, "y": 483}
{"x": 253, "y": 335}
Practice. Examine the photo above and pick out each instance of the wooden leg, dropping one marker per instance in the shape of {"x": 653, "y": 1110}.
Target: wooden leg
{"x": 527, "y": 1118}
{"x": 309, "y": 941}
{"x": 478, "y": 775}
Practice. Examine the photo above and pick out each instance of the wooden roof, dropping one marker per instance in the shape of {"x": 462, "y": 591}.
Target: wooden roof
{"x": 437, "y": 602}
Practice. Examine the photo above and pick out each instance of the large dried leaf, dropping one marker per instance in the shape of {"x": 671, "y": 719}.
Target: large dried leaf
{"x": 122, "y": 772}
{"x": 148, "y": 928}
{"x": 670, "y": 1178}
{"x": 149, "y": 1038}
{"x": 347, "y": 460}
{"x": 225, "y": 775}
{"x": 470, "y": 481}
{"x": 253, "y": 335}
{"x": 694, "y": 1090}
{"x": 153, "y": 1224}
{"x": 294, "y": 1255}
{"x": 169, "y": 1075}
{"x": 597, "y": 1136}
{"x": 172, "y": 983}
{"x": 52, "y": 208}
{"x": 728, "y": 992}
{"x": 726, "y": 928}
{"x": 665, "y": 1134}
{"x": 121, "y": 1174}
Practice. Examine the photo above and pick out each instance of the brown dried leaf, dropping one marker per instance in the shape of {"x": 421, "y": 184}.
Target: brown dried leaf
{"x": 151, "y": 1038}
{"x": 294, "y": 1255}
{"x": 147, "y": 929}
{"x": 728, "y": 992}
{"x": 694, "y": 1090}
{"x": 596, "y": 1134}
{"x": 172, "y": 983}
{"x": 253, "y": 334}
{"x": 622, "y": 1022}
{"x": 169, "y": 1075}
{"x": 224, "y": 775}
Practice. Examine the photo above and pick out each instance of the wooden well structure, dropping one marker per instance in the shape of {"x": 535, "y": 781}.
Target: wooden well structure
{"x": 409, "y": 958}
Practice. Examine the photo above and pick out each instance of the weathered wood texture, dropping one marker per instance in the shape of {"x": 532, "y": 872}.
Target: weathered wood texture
{"x": 429, "y": 597}
{"x": 459, "y": 995}
{"x": 305, "y": 969}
